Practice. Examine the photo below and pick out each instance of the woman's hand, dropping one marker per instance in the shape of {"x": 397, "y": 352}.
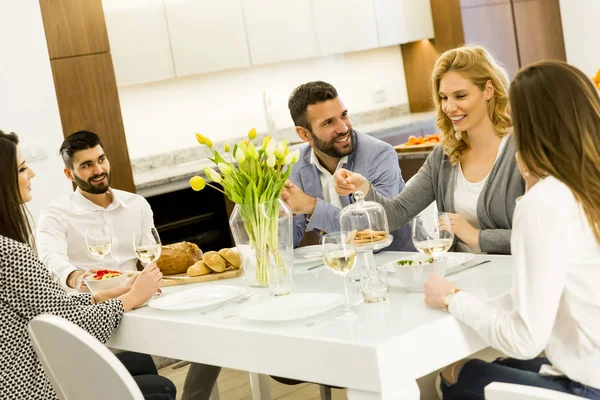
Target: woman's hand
{"x": 436, "y": 288}
{"x": 348, "y": 182}
{"x": 528, "y": 177}
{"x": 464, "y": 230}
{"x": 143, "y": 287}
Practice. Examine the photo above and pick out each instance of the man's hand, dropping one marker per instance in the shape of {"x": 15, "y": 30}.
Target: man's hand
{"x": 298, "y": 201}
{"x": 348, "y": 182}
{"x": 463, "y": 229}
{"x": 76, "y": 279}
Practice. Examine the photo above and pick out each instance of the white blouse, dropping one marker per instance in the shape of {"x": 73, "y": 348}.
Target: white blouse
{"x": 555, "y": 296}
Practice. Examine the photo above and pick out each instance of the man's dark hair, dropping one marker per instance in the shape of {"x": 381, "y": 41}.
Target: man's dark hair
{"x": 306, "y": 95}
{"x": 81, "y": 140}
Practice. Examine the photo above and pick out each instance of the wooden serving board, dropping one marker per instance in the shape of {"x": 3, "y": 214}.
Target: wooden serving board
{"x": 183, "y": 279}
{"x": 415, "y": 147}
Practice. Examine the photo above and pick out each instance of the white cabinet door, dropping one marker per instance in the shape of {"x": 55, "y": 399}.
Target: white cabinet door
{"x": 344, "y": 26}
{"x": 139, "y": 40}
{"x": 403, "y": 21}
{"x": 280, "y": 30}
{"x": 207, "y": 35}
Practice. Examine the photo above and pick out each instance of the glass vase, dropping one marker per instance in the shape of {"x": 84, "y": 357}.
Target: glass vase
{"x": 263, "y": 236}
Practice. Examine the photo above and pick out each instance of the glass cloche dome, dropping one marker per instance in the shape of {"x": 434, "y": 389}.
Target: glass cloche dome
{"x": 365, "y": 224}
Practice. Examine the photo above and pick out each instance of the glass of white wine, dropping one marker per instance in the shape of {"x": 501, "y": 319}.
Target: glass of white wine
{"x": 147, "y": 246}
{"x": 98, "y": 242}
{"x": 340, "y": 257}
{"x": 432, "y": 233}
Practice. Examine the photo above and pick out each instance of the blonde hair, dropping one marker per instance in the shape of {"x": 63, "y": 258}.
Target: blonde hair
{"x": 478, "y": 65}
{"x": 557, "y": 130}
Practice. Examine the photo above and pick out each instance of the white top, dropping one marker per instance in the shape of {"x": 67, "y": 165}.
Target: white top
{"x": 555, "y": 296}
{"x": 60, "y": 233}
{"x": 466, "y": 195}
{"x": 327, "y": 184}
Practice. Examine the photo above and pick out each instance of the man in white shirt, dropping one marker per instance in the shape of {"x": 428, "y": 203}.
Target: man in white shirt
{"x": 61, "y": 244}
{"x": 322, "y": 122}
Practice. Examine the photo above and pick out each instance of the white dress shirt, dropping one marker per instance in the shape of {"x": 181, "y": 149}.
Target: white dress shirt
{"x": 327, "y": 183}
{"x": 60, "y": 233}
{"x": 555, "y": 296}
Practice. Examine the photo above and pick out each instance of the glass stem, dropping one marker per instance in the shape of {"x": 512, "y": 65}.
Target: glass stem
{"x": 347, "y": 293}
{"x": 102, "y": 262}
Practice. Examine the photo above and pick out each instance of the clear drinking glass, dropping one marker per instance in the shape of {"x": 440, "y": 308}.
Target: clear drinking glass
{"x": 147, "y": 246}
{"x": 432, "y": 233}
{"x": 99, "y": 242}
{"x": 340, "y": 257}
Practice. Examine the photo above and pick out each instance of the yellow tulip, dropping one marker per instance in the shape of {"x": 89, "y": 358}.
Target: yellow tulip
{"x": 252, "y": 134}
{"x": 266, "y": 141}
{"x": 200, "y": 138}
{"x": 239, "y": 156}
{"x": 280, "y": 152}
{"x": 226, "y": 148}
{"x": 288, "y": 159}
{"x": 208, "y": 142}
{"x": 296, "y": 156}
{"x": 252, "y": 151}
{"x": 224, "y": 168}
{"x": 271, "y": 160}
{"x": 270, "y": 149}
{"x": 212, "y": 174}
{"x": 197, "y": 183}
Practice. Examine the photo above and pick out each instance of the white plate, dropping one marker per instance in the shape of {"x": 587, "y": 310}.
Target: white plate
{"x": 293, "y": 307}
{"x": 198, "y": 297}
{"x": 308, "y": 255}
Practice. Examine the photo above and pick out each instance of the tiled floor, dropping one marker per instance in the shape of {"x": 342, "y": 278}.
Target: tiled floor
{"x": 235, "y": 385}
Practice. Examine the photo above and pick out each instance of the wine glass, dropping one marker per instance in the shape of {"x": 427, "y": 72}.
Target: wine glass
{"x": 98, "y": 242}
{"x": 432, "y": 233}
{"x": 340, "y": 257}
{"x": 146, "y": 244}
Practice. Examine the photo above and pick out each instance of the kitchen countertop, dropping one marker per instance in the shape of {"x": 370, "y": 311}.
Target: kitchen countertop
{"x": 163, "y": 173}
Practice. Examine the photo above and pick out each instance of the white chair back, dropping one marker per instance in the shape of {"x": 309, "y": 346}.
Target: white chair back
{"x": 77, "y": 364}
{"x": 510, "y": 391}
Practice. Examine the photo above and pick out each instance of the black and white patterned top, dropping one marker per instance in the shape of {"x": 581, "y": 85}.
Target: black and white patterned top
{"x": 26, "y": 290}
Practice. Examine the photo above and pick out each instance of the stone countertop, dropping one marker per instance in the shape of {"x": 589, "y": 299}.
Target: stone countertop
{"x": 164, "y": 173}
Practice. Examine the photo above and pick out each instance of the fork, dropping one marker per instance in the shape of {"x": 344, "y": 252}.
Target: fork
{"x": 238, "y": 301}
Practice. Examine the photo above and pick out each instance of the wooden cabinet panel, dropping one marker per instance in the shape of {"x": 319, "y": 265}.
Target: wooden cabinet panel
{"x": 402, "y": 21}
{"x": 345, "y": 26}
{"x": 74, "y": 27}
{"x": 447, "y": 24}
{"x": 418, "y": 58}
{"x": 539, "y": 31}
{"x": 479, "y": 3}
{"x": 88, "y": 100}
{"x": 207, "y": 35}
{"x": 139, "y": 41}
{"x": 493, "y": 28}
{"x": 280, "y": 30}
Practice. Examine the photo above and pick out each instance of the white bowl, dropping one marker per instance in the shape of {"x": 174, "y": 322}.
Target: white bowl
{"x": 96, "y": 286}
{"x": 415, "y": 276}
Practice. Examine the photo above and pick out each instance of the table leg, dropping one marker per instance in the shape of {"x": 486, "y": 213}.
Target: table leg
{"x": 408, "y": 391}
{"x": 261, "y": 386}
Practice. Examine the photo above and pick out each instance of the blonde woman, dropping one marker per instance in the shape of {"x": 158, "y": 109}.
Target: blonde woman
{"x": 473, "y": 175}
{"x": 556, "y": 248}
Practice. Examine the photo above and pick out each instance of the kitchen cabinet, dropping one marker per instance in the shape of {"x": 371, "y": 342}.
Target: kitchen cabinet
{"x": 345, "y": 26}
{"x": 139, "y": 41}
{"x": 280, "y": 30}
{"x": 402, "y": 21}
{"x": 207, "y": 35}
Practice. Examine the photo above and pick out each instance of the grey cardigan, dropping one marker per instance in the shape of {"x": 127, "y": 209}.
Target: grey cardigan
{"x": 436, "y": 180}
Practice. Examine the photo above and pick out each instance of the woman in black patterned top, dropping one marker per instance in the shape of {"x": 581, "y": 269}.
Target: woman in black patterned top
{"x": 26, "y": 289}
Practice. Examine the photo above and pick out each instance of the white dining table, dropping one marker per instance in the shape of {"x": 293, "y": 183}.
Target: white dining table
{"x": 378, "y": 355}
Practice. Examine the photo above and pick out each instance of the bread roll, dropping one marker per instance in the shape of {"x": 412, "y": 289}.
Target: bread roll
{"x": 214, "y": 261}
{"x": 231, "y": 257}
{"x": 199, "y": 269}
{"x": 176, "y": 258}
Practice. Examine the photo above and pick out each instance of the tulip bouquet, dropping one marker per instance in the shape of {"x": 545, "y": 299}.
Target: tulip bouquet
{"x": 253, "y": 179}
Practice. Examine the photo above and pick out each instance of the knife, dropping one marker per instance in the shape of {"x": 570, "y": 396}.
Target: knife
{"x": 465, "y": 267}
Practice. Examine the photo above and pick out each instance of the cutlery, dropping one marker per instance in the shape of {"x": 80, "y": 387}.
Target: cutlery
{"x": 315, "y": 267}
{"x": 237, "y": 301}
{"x": 467, "y": 267}
{"x": 330, "y": 315}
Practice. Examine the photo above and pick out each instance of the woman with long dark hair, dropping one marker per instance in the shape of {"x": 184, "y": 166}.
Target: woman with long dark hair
{"x": 555, "y": 243}
{"x": 26, "y": 289}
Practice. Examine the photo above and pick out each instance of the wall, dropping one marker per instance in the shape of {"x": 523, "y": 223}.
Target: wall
{"x": 28, "y": 102}
{"x": 581, "y": 31}
{"x": 163, "y": 116}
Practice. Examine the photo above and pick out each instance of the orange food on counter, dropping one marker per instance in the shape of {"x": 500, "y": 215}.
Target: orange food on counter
{"x": 427, "y": 139}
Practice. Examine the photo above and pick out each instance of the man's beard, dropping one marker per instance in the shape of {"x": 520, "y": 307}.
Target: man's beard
{"x": 330, "y": 149}
{"x": 89, "y": 187}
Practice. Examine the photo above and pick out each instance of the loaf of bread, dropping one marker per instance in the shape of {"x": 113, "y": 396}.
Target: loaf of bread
{"x": 176, "y": 258}
{"x": 199, "y": 269}
{"x": 231, "y": 257}
{"x": 214, "y": 261}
